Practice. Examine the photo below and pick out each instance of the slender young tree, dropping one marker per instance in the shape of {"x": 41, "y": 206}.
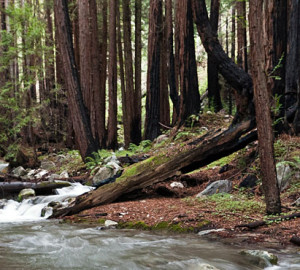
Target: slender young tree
{"x": 112, "y": 142}
{"x": 152, "y": 127}
{"x": 80, "y": 120}
{"x": 260, "y": 57}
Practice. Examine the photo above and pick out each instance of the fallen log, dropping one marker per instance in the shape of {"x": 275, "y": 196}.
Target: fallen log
{"x": 41, "y": 188}
{"x": 161, "y": 167}
{"x": 256, "y": 224}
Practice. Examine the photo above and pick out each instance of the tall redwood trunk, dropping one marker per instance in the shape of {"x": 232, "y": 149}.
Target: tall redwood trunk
{"x": 152, "y": 127}
{"x": 260, "y": 57}
{"x": 112, "y": 142}
{"x": 214, "y": 98}
{"x": 190, "y": 97}
{"x": 80, "y": 120}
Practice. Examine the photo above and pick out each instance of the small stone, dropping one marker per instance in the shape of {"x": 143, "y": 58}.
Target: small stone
{"x": 64, "y": 174}
{"x": 47, "y": 165}
{"x": 19, "y": 171}
{"x": 53, "y": 177}
{"x": 110, "y": 223}
{"x": 176, "y": 185}
{"x": 25, "y": 194}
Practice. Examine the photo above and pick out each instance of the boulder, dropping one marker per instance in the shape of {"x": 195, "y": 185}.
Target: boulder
{"x": 110, "y": 223}
{"x": 47, "y": 165}
{"x": 19, "y": 171}
{"x": 249, "y": 181}
{"x": 25, "y": 194}
{"x": 260, "y": 258}
{"x": 115, "y": 166}
{"x": 64, "y": 174}
{"x": 103, "y": 173}
{"x": 284, "y": 174}
{"x": 221, "y": 186}
{"x": 3, "y": 203}
{"x": 40, "y": 174}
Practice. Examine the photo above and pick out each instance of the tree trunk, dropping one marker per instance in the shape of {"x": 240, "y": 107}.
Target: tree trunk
{"x": 189, "y": 92}
{"x": 214, "y": 99}
{"x": 80, "y": 120}
{"x": 234, "y": 75}
{"x": 112, "y": 142}
{"x": 137, "y": 116}
{"x": 202, "y": 151}
{"x": 152, "y": 127}
{"x": 260, "y": 56}
{"x": 171, "y": 61}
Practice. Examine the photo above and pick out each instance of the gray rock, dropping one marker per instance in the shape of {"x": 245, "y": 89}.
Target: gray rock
{"x": 3, "y": 202}
{"x": 296, "y": 203}
{"x": 19, "y": 171}
{"x": 47, "y": 165}
{"x": 284, "y": 174}
{"x": 53, "y": 177}
{"x": 61, "y": 158}
{"x": 25, "y": 194}
{"x": 205, "y": 266}
{"x": 176, "y": 185}
{"x": 102, "y": 174}
{"x": 46, "y": 211}
{"x": 110, "y": 223}
{"x": 40, "y": 173}
{"x": 114, "y": 166}
{"x": 260, "y": 258}
{"x": 64, "y": 174}
{"x": 112, "y": 159}
{"x": 161, "y": 138}
{"x": 221, "y": 186}
{"x": 3, "y": 167}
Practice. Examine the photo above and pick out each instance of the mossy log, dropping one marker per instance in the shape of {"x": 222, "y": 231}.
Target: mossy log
{"x": 200, "y": 152}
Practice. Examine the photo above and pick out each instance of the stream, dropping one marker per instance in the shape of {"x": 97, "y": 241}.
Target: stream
{"x": 29, "y": 241}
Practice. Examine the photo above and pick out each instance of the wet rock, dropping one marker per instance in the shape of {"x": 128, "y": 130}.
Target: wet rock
{"x": 260, "y": 258}
{"x": 110, "y": 223}
{"x": 47, "y": 165}
{"x": 205, "y": 266}
{"x": 176, "y": 185}
{"x": 25, "y": 194}
{"x": 103, "y": 173}
{"x": 249, "y": 181}
{"x": 3, "y": 202}
{"x": 19, "y": 171}
{"x": 221, "y": 186}
{"x": 284, "y": 174}
{"x": 46, "y": 211}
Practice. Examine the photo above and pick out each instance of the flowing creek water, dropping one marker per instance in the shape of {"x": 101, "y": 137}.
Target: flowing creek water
{"x": 29, "y": 241}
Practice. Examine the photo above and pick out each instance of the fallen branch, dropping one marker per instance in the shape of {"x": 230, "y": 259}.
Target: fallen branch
{"x": 256, "y": 224}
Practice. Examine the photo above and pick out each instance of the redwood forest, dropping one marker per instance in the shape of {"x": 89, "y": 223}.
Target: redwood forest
{"x": 181, "y": 116}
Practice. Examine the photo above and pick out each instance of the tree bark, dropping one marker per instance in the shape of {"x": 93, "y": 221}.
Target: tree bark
{"x": 260, "y": 56}
{"x": 214, "y": 98}
{"x": 112, "y": 142}
{"x": 152, "y": 127}
{"x": 189, "y": 90}
{"x": 158, "y": 168}
{"x": 234, "y": 75}
{"x": 80, "y": 120}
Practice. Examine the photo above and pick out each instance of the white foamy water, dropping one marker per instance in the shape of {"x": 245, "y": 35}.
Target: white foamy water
{"x": 30, "y": 209}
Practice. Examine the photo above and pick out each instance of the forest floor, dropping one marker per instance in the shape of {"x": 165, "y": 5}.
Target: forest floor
{"x": 178, "y": 210}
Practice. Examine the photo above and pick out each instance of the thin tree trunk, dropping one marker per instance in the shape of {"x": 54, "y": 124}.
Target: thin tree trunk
{"x": 80, "y": 120}
{"x": 260, "y": 56}
{"x": 112, "y": 142}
